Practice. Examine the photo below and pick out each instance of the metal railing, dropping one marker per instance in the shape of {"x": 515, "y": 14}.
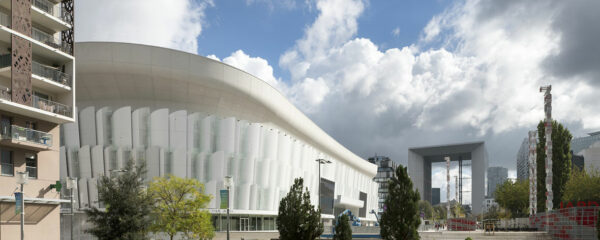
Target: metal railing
{"x": 41, "y": 70}
{"x": 5, "y": 19}
{"x": 49, "y": 73}
{"x": 45, "y": 6}
{"x": 48, "y": 39}
{"x": 51, "y": 106}
{"x": 24, "y": 134}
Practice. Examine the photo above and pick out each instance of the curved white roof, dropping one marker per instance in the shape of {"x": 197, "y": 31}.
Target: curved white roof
{"x": 140, "y": 75}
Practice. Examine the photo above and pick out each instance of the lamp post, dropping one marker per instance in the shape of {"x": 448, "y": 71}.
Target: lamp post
{"x": 22, "y": 178}
{"x": 320, "y": 161}
{"x": 72, "y": 186}
{"x": 228, "y": 182}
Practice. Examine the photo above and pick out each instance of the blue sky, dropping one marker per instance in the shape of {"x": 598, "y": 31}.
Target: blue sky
{"x": 457, "y": 71}
{"x": 267, "y": 30}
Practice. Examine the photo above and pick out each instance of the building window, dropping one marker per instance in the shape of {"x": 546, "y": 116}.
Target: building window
{"x": 31, "y": 165}
{"x": 6, "y": 163}
{"x": 5, "y": 126}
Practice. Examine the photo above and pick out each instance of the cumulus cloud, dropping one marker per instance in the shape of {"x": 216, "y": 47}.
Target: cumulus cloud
{"x": 473, "y": 75}
{"x": 256, "y": 66}
{"x": 174, "y": 25}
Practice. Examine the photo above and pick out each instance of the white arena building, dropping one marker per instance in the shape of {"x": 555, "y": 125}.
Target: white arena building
{"x": 195, "y": 117}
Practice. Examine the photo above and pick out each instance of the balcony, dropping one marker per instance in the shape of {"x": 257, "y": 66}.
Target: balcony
{"x": 43, "y": 76}
{"x": 43, "y": 12}
{"x": 51, "y": 106}
{"x": 22, "y": 137}
{"x": 48, "y": 39}
{"x": 51, "y": 73}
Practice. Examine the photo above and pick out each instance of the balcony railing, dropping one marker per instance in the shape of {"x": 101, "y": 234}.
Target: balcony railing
{"x": 48, "y": 39}
{"x": 50, "y": 106}
{"x": 24, "y": 134}
{"x": 41, "y": 70}
{"x": 45, "y": 6}
{"x": 5, "y": 19}
{"x": 48, "y": 7}
{"x": 49, "y": 73}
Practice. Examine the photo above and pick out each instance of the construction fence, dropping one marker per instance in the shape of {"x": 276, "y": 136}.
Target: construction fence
{"x": 461, "y": 224}
{"x": 568, "y": 223}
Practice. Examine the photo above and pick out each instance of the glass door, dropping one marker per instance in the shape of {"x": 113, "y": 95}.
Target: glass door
{"x": 244, "y": 224}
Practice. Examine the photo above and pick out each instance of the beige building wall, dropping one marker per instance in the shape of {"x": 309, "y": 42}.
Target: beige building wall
{"x": 42, "y": 221}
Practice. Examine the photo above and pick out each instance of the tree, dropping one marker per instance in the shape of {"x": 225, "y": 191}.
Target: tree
{"x": 400, "y": 218}
{"x": 128, "y": 207}
{"x": 561, "y": 163}
{"x": 297, "y": 218}
{"x": 583, "y": 185}
{"x": 426, "y": 208}
{"x": 514, "y": 197}
{"x": 440, "y": 212}
{"x": 178, "y": 207}
{"x": 457, "y": 210}
{"x": 342, "y": 228}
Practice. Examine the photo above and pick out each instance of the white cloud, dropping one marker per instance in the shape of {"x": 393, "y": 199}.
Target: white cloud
{"x": 482, "y": 81}
{"x": 174, "y": 25}
{"x": 213, "y": 57}
{"x": 256, "y": 66}
{"x": 480, "y": 84}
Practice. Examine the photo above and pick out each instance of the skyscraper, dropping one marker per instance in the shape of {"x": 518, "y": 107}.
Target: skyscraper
{"x": 435, "y": 196}
{"x": 495, "y": 176}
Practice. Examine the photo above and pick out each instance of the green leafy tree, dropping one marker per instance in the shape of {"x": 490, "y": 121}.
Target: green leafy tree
{"x": 457, "y": 210}
{"x": 128, "y": 207}
{"x": 400, "y": 218}
{"x": 426, "y": 208}
{"x": 342, "y": 228}
{"x": 561, "y": 163}
{"x": 514, "y": 197}
{"x": 297, "y": 218}
{"x": 178, "y": 207}
{"x": 440, "y": 212}
{"x": 583, "y": 185}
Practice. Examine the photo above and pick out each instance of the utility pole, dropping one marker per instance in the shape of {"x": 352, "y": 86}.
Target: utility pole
{"x": 22, "y": 178}
{"x": 320, "y": 161}
{"x": 447, "y": 158}
{"x": 72, "y": 186}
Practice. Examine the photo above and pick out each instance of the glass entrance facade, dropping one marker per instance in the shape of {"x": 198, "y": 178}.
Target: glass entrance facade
{"x": 244, "y": 223}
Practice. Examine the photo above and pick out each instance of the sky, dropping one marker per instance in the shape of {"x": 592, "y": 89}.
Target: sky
{"x": 383, "y": 76}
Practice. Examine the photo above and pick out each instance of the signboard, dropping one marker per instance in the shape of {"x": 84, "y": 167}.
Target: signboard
{"x": 224, "y": 198}
{"x": 18, "y": 202}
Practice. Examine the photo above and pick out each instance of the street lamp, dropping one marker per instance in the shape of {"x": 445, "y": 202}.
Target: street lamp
{"x": 72, "y": 186}
{"x": 228, "y": 182}
{"x": 320, "y": 161}
{"x": 22, "y": 178}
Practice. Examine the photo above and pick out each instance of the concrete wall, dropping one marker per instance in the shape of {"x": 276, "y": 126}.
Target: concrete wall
{"x": 263, "y": 159}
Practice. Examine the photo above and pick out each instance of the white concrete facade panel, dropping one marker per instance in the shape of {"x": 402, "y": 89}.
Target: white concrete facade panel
{"x": 194, "y": 117}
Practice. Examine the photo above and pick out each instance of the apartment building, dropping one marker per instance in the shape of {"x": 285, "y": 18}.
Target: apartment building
{"x": 36, "y": 96}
